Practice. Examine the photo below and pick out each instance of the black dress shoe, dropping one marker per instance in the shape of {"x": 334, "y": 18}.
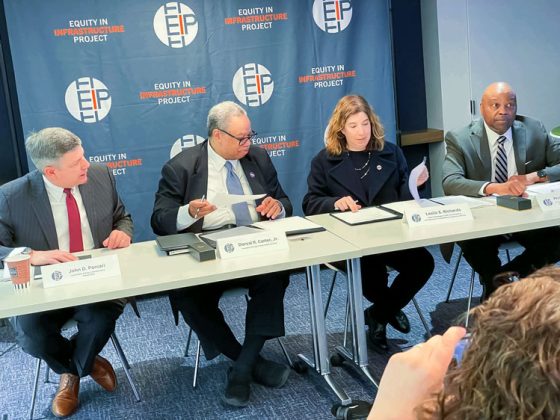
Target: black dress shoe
{"x": 400, "y": 322}
{"x": 238, "y": 389}
{"x": 377, "y": 332}
{"x": 270, "y": 374}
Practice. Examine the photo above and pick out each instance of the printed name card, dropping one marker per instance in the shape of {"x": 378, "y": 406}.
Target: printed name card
{"x": 437, "y": 214}
{"x": 254, "y": 244}
{"x": 81, "y": 270}
{"x": 548, "y": 202}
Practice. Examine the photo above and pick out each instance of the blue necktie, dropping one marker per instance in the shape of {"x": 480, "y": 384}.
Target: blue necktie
{"x": 241, "y": 210}
{"x": 501, "y": 162}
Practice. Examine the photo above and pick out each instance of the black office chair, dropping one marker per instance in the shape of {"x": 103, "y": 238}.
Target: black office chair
{"x": 116, "y": 344}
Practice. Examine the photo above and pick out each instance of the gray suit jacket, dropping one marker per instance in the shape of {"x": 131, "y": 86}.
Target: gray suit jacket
{"x": 26, "y": 216}
{"x": 467, "y": 165}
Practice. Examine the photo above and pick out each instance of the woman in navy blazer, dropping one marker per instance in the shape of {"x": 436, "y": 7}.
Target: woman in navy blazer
{"x": 358, "y": 169}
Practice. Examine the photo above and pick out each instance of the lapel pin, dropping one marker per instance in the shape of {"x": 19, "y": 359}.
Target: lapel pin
{"x": 252, "y": 174}
{"x": 379, "y": 167}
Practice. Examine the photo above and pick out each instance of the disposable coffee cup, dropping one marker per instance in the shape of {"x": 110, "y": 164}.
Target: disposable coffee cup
{"x": 19, "y": 269}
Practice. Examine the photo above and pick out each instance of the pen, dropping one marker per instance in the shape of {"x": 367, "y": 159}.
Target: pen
{"x": 198, "y": 208}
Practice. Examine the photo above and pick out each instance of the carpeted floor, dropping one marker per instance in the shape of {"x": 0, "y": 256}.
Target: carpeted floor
{"x": 154, "y": 347}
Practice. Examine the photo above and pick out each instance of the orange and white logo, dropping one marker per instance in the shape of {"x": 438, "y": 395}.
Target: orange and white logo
{"x": 253, "y": 84}
{"x": 332, "y": 16}
{"x": 88, "y": 100}
{"x": 175, "y": 24}
{"x": 188, "y": 140}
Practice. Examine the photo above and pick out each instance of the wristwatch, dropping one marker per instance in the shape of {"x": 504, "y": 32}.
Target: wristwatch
{"x": 541, "y": 173}
{"x": 26, "y": 250}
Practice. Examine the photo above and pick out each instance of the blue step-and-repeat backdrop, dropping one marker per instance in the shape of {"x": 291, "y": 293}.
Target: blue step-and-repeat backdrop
{"x": 135, "y": 78}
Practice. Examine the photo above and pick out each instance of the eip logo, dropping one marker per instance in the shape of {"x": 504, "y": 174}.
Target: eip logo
{"x": 332, "y": 16}
{"x": 253, "y": 84}
{"x": 188, "y": 140}
{"x": 88, "y": 100}
{"x": 175, "y": 24}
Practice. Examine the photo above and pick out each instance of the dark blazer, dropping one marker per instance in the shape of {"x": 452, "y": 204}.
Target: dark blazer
{"x": 468, "y": 166}
{"x": 26, "y": 217}
{"x": 185, "y": 178}
{"x": 334, "y": 177}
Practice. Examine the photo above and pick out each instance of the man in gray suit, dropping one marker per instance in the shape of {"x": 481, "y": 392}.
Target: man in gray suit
{"x": 502, "y": 154}
{"x": 64, "y": 206}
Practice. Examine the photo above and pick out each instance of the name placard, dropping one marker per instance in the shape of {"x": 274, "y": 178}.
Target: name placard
{"x": 254, "y": 244}
{"x": 437, "y": 215}
{"x": 81, "y": 270}
{"x": 548, "y": 202}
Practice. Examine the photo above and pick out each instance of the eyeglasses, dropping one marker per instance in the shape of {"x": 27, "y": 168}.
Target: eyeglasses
{"x": 241, "y": 140}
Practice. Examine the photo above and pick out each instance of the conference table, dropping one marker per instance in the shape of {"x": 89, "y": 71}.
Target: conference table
{"x": 394, "y": 235}
{"x": 146, "y": 269}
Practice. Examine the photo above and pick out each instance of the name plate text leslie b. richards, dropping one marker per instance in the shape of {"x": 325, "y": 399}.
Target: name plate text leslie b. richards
{"x": 437, "y": 214}
{"x": 81, "y": 270}
{"x": 253, "y": 244}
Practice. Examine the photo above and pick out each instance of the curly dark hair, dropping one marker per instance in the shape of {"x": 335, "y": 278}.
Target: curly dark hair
{"x": 511, "y": 368}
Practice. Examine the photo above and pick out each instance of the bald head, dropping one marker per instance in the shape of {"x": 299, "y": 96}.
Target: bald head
{"x": 498, "y": 106}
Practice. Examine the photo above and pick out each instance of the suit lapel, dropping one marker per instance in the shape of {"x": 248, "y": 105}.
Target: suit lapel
{"x": 253, "y": 175}
{"x": 42, "y": 209}
{"x": 87, "y": 191}
{"x": 479, "y": 142}
{"x": 381, "y": 170}
{"x": 519, "y": 136}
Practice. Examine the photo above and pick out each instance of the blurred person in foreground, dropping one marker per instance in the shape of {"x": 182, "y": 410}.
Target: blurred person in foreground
{"x": 509, "y": 370}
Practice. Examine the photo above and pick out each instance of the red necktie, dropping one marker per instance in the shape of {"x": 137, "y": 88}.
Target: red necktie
{"x": 74, "y": 223}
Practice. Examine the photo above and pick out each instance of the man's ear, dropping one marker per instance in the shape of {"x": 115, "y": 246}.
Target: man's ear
{"x": 49, "y": 171}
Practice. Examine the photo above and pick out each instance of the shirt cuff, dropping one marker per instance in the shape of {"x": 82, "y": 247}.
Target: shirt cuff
{"x": 481, "y": 191}
{"x": 282, "y": 214}
{"x": 184, "y": 219}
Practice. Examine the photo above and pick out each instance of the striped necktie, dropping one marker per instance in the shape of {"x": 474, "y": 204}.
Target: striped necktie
{"x": 501, "y": 163}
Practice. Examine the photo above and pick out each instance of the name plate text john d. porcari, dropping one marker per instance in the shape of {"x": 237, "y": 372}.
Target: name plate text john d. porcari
{"x": 548, "y": 202}
{"x": 80, "y": 271}
{"x": 254, "y": 244}
{"x": 438, "y": 214}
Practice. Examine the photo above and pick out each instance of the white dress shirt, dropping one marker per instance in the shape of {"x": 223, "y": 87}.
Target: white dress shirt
{"x": 217, "y": 173}
{"x": 57, "y": 199}
{"x": 493, "y": 145}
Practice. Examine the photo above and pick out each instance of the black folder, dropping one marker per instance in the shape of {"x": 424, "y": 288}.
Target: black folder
{"x": 178, "y": 243}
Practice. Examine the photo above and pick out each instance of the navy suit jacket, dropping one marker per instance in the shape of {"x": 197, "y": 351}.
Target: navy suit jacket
{"x": 185, "y": 178}
{"x": 334, "y": 177}
{"x": 26, "y": 217}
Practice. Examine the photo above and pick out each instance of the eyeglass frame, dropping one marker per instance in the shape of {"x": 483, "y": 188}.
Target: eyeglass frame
{"x": 242, "y": 140}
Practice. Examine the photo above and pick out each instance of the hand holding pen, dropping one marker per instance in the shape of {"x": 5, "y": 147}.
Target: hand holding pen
{"x": 200, "y": 207}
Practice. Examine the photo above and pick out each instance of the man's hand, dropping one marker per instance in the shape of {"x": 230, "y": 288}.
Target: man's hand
{"x": 423, "y": 177}
{"x": 117, "y": 239}
{"x": 528, "y": 179}
{"x": 199, "y": 208}
{"x": 347, "y": 203}
{"x": 510, "y": 187}
{"x": 410, "y": 377}
{"x": 269, "y": 208}
{"x": 51, "y": 257}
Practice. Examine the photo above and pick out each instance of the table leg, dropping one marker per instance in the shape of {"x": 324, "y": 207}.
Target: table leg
{"x": 319, "y": 333}
{"x": 359, "y": 354}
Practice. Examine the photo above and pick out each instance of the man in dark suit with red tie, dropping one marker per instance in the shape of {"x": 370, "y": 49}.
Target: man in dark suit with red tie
{"x": 227, "y": 163}
{"x": 64, "y": 206}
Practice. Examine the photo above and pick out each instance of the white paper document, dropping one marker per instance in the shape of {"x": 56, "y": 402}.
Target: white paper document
{"x": 225, "y": 200}
{"x": 413, "y": 179}
{"x": 290, "y": 225}
{"x": 472, "y": 202}
{"x": 543, "y": 188}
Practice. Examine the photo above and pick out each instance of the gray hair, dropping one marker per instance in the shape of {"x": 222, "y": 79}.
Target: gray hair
{"x": 47, "y": 146}
{"x": 219, "y": 115}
